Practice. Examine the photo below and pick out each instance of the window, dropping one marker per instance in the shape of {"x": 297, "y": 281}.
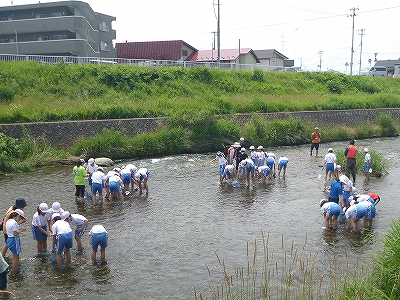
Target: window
{"x": 184, "y": 53}
{"x": 43, "y": 15}
{"x": 58, "y": 37}
{"x": 4, "y": 18}
{"x": 103, "y": 26}
{"x": 104, "y": 46}
{"x": 45, "y": 37}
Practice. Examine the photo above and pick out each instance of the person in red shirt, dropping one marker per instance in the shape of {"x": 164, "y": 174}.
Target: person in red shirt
{"x": 315, "y": 141}
{"x": 351, "y": 154}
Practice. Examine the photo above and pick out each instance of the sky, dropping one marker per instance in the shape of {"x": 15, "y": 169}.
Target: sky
{"x": 312, "y": 33}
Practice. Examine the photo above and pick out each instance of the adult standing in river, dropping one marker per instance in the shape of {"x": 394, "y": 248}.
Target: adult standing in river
{"x": 79, "y": 173}
{"x": 315, "y": 141}
{"x": 351, "y": 154}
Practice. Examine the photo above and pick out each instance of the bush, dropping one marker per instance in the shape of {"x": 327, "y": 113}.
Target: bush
{"x": 6, "y": 94}
{"x": 388, "y": 125}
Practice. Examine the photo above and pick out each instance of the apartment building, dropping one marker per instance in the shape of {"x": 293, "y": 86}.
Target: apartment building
{"x": 64, "y": 28}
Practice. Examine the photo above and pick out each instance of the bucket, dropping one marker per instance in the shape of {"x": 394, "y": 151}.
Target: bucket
{"x": 235, "y": 183}
{"x": 342, "y": 218}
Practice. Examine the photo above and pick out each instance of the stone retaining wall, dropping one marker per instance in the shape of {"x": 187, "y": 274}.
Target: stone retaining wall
{"x": 64, "y": 133}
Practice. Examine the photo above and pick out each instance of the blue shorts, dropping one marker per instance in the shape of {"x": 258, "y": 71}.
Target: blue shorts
{"x": 366, "y": 167}
{"x": 78, "y": 227}
{"x": 334, "y": 210}
{"x": 250, "y": 169}
{"x": 90, "y": 179}
{"x": 346, "y": 196}
{"x": 229, "y": 175}
{"x": 270, "y": 162}
{"x": 14, "y": 244}
{"x": 370, "y": 212}
{"x": 221, "y": 169}
{"x": 266, "y": 172}
{"x": 114, "y": 187}
{"x": 359, "y": 212}
{"x": 64, "y": 240}
{"x": 260, "y": 163}
{"x": 96, "y": 187}
{"x": 99, "y": 239}
{"x": 330, "y": 167}
{"x": 126, "y": 178}
{"x": 283, "y": 164}
{"x": 37, "y": 234}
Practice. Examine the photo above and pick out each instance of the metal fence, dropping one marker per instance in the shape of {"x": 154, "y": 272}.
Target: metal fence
{"x": 140, "y": 62}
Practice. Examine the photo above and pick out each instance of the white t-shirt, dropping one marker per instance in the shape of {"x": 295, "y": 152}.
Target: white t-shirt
{"x": 61, "y": 227}
{"x": 39, "y": 220}
{"x": 330, "y": 158}
{"x": 11, "y": 226}
{"x": 77, "y": 219}
{"x": 97, "y": 229}
{"x": 98, "y": 177}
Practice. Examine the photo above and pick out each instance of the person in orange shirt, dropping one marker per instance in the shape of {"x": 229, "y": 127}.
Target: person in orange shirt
{"x": 315, "y": 141}
{"x": 351, "y": 155}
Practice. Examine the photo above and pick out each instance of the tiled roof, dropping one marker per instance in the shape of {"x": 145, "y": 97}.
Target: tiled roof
{"x": 156, "y": 50}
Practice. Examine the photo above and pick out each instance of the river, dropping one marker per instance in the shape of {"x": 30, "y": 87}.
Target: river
{"x": 160, "y": 245}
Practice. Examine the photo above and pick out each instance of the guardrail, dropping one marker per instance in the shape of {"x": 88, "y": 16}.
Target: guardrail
{"x": 140, "y": 62}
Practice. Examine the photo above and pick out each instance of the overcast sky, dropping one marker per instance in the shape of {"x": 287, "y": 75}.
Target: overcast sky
{"x": 304, "y": 31}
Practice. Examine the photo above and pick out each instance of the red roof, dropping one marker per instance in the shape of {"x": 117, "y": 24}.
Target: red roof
{"x": 156, "y": 50}
{"x": 225, "y": 54}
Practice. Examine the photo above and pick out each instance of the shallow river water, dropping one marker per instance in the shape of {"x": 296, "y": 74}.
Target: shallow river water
{"x": 160, "y": 245}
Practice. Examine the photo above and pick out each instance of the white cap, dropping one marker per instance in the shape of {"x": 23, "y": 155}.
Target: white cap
{"x": 65, "y": 215}
{"x": 43, "y": 207}
{"x": 260, "y": 147}
{"x": 91, "y": 160}
{"x": 243, "y": 163}
{"x": 55, "y": 215}
{"x": 20, "y": 212}
{"x": 252, "y": 148}
{"x": 366, "y": 150}
{"x": 56, "y": 207}
{"x": 344, "y": 179}
{"x": 242, "y": 139}
{"x": 243, "y": 150}
{"x": 330, "y": 150}
{"x": 316, "y": 128}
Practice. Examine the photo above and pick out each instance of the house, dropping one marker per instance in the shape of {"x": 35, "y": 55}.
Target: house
{"x": 231, "y": 56}
{"x": 64, "y": 28}
{"x": 389, "y": 64}
{"x": 271, "y": 57}
{"x": 176, "y": 50}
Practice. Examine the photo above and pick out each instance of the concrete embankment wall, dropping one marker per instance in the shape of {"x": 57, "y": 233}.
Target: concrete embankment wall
{"x": 65, "y": 133}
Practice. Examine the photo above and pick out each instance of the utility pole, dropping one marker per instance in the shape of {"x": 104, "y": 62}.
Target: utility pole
{"x": 362, "y": 33}
{"x": 352, "y": 40}
{"x": 213, "y": 46}
{"x": 219, "y": 38}
{"x": 320, "y": 59}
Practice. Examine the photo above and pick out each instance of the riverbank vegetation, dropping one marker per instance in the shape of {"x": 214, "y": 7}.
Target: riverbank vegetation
{"x": 294, "y": 273}
{"x": 33, "y": 92}
{"x": 198, "y": 102}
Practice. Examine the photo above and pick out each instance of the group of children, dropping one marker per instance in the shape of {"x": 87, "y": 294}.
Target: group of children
{"x": 343, "y": 199}
{"x": 236, "y": 163}
{"x": 115, "y": 182}
{"x": 52, "y": 222}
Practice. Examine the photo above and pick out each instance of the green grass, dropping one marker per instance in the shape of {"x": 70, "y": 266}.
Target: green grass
{"x": 31, "y": 92}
